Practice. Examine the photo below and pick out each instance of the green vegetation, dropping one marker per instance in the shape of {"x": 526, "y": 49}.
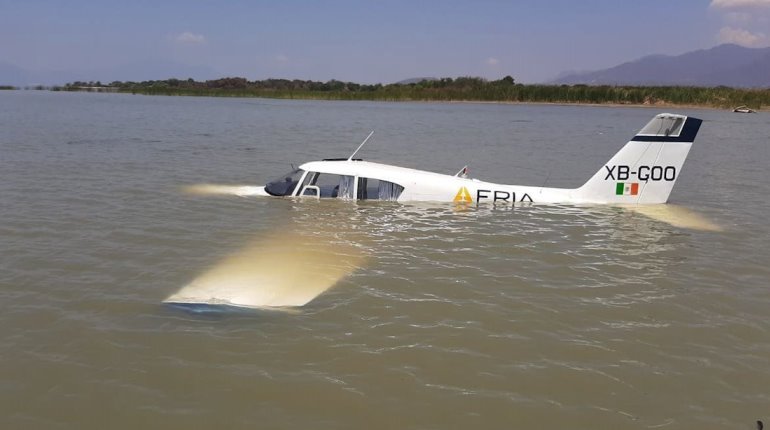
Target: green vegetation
{"x": 446, "y": 89}
{"x": 7, "y": 87}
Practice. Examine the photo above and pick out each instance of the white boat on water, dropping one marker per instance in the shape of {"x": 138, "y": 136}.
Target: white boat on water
{"x": 744, "y": 109}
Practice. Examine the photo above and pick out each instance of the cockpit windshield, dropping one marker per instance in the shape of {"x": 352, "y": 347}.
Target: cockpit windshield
{"x": 284, "y": 185}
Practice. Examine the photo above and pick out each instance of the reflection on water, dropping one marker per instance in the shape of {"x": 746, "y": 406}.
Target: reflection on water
{"x": 324, "y": 241}
{"x": 225, "y": 190}
{"x": 462, "y": 243}
{"x": 677, "y": 216}
{"x": 293, "y": 265}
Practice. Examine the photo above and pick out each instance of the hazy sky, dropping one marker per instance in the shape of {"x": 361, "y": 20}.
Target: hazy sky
{"x": 367, "y": 41}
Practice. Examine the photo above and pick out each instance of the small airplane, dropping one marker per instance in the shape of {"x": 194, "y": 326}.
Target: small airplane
{"x": 642, "y": 172}
{"x": 283, "y": 272}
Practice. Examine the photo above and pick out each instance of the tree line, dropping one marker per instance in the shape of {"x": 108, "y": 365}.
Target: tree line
{"x": 444, "y": 89}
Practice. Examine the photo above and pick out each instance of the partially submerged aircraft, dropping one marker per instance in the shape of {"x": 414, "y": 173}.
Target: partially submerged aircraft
{"x": 644, "y": 171}
{"x": 289, "y": 271}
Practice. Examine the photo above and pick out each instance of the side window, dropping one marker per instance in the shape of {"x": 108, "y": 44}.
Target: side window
{"x": 329, "y": 186}
{"x": 375, "y": 189}
{"x": 309, "y": 179}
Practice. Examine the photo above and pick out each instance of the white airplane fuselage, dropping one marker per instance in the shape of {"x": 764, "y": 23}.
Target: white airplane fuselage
{"x": 422, "y": 186}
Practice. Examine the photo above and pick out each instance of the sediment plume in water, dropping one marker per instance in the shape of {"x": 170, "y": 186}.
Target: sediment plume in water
{"x": 677, "y": 216}
{"x": 224, "y": 190}
{"x": 282, "y": 271}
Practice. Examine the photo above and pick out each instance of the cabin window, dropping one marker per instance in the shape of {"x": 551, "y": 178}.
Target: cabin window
{"x": 284, "y": 185}
{"x": 663, "y": 126}
{"x": 330, "y": 186}
{"x": 375, "y": 189}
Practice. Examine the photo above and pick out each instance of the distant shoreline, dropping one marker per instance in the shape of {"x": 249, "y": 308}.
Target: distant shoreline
{"x": 657, "y": 104}
{"x": 459, "y": 90}
{"x": 618, "y": 105}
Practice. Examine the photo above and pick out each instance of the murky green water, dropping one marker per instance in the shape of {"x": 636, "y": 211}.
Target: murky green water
{"x": 489, "y": 317}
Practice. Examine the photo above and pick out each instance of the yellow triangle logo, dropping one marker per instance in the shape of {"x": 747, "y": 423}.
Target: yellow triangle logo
{"x": 463, "y": 196}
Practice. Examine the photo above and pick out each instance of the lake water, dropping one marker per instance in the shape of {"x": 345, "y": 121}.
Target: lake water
{"x": 490, "y": 317}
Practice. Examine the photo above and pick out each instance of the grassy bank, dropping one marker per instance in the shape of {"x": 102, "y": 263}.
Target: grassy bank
{"x": 448, "y": 89}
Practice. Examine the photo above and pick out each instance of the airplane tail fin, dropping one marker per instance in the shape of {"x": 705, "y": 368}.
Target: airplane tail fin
{"x": 646, "y": 168}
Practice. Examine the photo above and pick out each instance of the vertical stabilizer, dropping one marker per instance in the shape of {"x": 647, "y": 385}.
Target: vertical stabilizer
{"x": 645, "y": 170}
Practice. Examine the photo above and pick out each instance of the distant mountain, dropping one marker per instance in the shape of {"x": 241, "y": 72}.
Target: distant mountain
{"x": 728, "y": 65}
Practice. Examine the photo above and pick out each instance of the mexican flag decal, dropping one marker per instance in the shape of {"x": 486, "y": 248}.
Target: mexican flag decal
{"x": 627, "y": 188}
